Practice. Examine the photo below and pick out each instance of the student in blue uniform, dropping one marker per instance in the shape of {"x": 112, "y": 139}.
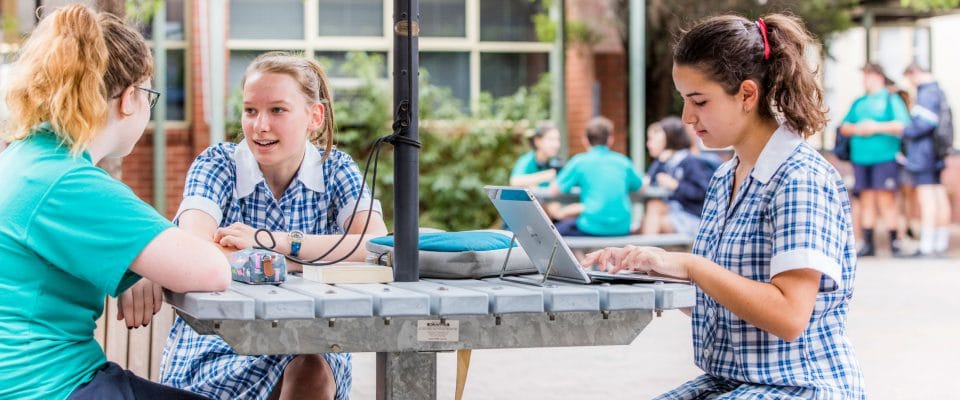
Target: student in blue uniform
{"x": 539, "y": 168}
{"x": 287, "y": 177}
{"x": 774, "y": 260}
{"x": 605, "y": 179}
{"x": 69, "y": 233}
{"x": 925, "y": 162}
{"x": 677, "y": 169}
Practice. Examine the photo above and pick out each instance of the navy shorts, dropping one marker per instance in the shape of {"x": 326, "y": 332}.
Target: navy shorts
{"x": 114, "y": 383}
{"x": 882, "y": 176}
{"x": 925, "y": 178}
{"x": 568, "y": 227}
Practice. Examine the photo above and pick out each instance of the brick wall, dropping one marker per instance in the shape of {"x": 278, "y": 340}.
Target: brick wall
{"x": 611, "y": 70}
{"x": 138, "y": 167}
{"x": 578, "y": 81}
{"x": 584, "y": 69}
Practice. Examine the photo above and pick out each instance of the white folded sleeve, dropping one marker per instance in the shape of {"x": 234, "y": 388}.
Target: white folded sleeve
{"x": 808, "y": 258}
{"x": 200, "y": 203}
{"x": 347, "y": 211}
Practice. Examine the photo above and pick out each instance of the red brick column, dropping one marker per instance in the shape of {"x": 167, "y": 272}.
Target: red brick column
{"x": 579, "y": 80}
{"x": 611, "y": 71}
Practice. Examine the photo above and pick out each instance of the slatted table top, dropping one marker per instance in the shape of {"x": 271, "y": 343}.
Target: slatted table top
{"x": 302, "y": 317}
{"x": 300, "y": 299}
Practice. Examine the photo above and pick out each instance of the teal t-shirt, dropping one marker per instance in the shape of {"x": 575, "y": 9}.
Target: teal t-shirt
{"x": 881, "y": 106}
{"x": 606, "y": 179}
{"x": 68, "y": 234}
{"x": 527, "y": 164}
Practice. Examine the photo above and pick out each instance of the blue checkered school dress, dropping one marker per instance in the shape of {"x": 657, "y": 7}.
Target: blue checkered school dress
{"x": 226, "y": 183}
{"x": 791, "y": 212}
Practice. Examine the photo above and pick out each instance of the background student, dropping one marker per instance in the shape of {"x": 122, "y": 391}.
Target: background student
{"x": 539, "y": 168}
{"x": 925, "y": 158}
{"x": 605, "y": 179}
{"x": 677, "y": 169}
{"x": 874, "y": 124}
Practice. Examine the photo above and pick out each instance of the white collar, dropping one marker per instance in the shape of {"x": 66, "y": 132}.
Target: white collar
{"x": 777, "y": 150}
{"x": 249, "y": 174}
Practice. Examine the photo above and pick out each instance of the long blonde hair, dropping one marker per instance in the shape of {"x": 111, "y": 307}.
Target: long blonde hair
{"x": 72, "y": 64}
{"x": 313, "y": 82}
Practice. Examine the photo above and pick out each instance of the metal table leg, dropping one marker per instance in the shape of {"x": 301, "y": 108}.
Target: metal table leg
{"x": 407, "y": 375}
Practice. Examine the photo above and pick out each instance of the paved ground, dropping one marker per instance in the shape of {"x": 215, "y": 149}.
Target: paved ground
{"x": 904, "y": 322}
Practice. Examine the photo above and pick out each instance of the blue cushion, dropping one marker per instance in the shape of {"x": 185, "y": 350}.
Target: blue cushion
{"x": 455, "y": 242}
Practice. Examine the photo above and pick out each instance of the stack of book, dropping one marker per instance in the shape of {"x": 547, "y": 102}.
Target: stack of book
{"x": 348, "y": 272}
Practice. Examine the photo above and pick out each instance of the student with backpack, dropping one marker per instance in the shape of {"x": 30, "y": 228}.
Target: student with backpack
{"x": 927, "y": 140}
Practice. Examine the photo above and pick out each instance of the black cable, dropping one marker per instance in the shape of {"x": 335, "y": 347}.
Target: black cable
{"x": 399, "y": 126}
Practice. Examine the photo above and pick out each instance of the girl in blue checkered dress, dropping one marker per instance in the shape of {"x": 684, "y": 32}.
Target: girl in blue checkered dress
{"x": 774, "y": 257}
{"x": 285, "y": 176}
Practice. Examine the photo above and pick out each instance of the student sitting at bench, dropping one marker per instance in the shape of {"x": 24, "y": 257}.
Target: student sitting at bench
{"x": 676, "y": 169}
{"x": 540, "y": 166}
{"x": 606, "y": 179}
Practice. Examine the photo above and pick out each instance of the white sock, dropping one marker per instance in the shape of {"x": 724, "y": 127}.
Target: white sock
{"x": 942, "y": 242}
{"x": 928, "y": 240}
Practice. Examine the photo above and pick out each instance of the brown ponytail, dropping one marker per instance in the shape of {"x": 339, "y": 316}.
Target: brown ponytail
{"x": 730, "y": 49}
{"x": 314, "y": 85}
{"x": 73, "y": 62}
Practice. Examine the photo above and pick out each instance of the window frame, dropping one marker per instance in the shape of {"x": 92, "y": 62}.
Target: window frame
{"x": 184, "y": 46}
{"x": 312, "y": 43}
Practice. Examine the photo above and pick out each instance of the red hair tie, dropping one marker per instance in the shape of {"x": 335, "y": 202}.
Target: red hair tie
{"x": 763, "y": 32}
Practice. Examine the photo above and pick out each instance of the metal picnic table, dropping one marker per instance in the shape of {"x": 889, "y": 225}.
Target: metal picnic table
{"x": 407, "y": 323}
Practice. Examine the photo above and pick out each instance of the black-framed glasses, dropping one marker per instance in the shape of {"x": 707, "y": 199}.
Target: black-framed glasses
{"x": 153, "y": 94}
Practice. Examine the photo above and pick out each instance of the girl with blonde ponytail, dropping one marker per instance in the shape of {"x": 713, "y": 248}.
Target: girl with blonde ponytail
{"x": 69, "y": 233}
{"x": 774, "y": 259}
{"x": 288, "y": 178}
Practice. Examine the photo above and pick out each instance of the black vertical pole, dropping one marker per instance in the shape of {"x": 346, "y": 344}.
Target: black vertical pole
{"x": 406, "y": 202}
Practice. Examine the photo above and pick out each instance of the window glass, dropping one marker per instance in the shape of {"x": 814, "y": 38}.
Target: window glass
{"x": 443, "y": 18}
{"x": 350, "y": 17}
{"x": 174, "y": 25}
{"x": 449, "y": 69}
{"x": 501, "y": 74}
{"x": 508, "y": 20}
{"x": 266, "y": 19}
{"x": 175, "y": 94}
